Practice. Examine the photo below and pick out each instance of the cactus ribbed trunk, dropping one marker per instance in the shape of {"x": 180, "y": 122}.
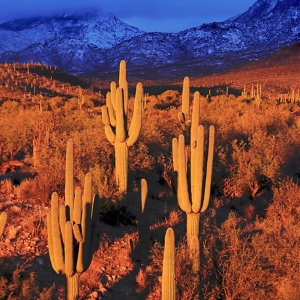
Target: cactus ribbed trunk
{"x": 192, "y": 226}
{"x": 168, "y": 272}
{"x": 72, "y": 287}
{"x": 121, "y": 154}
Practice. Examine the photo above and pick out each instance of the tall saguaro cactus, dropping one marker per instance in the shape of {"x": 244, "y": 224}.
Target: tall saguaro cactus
{"x": 168, "y": 272}
{"x": 117, "y": 130}
{"x": 193, "y": 195}
{"x": 3, "y": 219}
{"x": 72, "y": 229}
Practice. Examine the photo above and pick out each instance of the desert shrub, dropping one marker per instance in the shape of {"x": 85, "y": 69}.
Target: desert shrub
{"x": 71, "y": 104}
{"x": 280, "y": 239}
{"x": 167, "y": 99}
{"x": 254, "y": 165}
{"x": 237, "y": 269}
{"x": 57, "y": 102}
{"x": 22, "y": 286}
{"x": 261, "y": 263}
{"x": 16, "y": 129}
{"x": 6, "y": 186}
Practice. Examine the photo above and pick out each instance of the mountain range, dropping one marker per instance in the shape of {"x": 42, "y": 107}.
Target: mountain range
{"x": 91, "y": 44}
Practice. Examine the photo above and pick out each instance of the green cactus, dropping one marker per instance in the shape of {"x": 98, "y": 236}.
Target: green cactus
{"x": 72, "y": 229}
{"x": 184, "y": 115}
{"x": 168, "y": 271}
{"x": 3, "y": 219}
{"x": 193, "y": 199}
{"x": 114, "y": 117}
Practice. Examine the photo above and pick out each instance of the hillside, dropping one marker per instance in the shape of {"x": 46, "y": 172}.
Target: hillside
{"x": 278, "y": 73}
{"x": 249, "y": 232}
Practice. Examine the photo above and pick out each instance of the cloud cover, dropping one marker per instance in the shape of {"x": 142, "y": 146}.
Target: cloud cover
{"x": 148, "y": 15}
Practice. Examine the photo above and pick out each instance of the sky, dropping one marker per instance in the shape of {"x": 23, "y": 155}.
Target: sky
{"x": 147, "y": 15}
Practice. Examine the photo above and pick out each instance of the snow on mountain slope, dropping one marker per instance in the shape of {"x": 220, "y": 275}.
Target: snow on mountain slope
{"x": 101, "y": 31}
{"x": 90, "y": 43}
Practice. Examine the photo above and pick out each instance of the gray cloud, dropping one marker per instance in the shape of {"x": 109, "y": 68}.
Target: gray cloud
{"x": 148, "y": 15}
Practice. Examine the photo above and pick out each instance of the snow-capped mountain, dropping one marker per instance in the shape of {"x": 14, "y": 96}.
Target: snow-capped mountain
{"x": 92, "y": 44}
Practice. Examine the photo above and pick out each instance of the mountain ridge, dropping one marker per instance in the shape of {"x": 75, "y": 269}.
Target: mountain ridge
{"x": 91, "y": 44}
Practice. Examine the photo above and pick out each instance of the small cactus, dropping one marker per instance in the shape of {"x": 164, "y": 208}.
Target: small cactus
{"x": 143, "y": 223}
{"x": 3, "y": 219}
{"x": 168, "y": 271}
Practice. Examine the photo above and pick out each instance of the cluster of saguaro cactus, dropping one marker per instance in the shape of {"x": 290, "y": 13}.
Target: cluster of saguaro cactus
{"x": 72, "y": 229}
{"x": 193, "y": 196}
{"x": 114, "y": 116}
{"x": 3, "y": 219}
{"x": 290, "y": 97}
{"x": 168, "y": 272}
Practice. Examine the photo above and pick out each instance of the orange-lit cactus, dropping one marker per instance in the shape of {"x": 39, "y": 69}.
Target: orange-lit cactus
{"x": 72, "y": 229}
{"x": 114, "y": 117}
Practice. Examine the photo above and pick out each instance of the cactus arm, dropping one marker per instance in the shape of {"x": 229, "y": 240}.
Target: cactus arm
{"x": 113, "y": 91}
{"x": 107, "y": 128}
{"x": 124, "y": 86}
{"x": 112, "y": 119}
{"x": 197, "y": 186}
{"x": 175, "y": 154}
{"x": 168, "y": 272}
{"x": 186, "y": 98}
{"x": 69, "y": 252}
{"x": 62, "y": 220}
{"x": 136, "y": 122}
{"x": 77, "y": 206}
{"x": 120, "y": 116}
{"x": 122, "y": 72}
{"x": 184, "y": 199}
{"x": 69, "y": 185}
{"x": 56, "y": 235}
{"x": 193, "y": 139}
{"x": 3, "y": 219}
{"x": 77, "y": 233}
{"x": 94, "y": 226}
{"x": 50, "y": 243}
{"x": 209, "y": 168}
{"x": 84, "y": 246}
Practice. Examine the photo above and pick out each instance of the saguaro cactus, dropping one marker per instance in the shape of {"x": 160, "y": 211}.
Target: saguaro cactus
{"x": 192, "y": 198}
{"x": 184, "y": 115}
{"x": 3, "y": 219}
{"x": 168, "y": 272}
{"x": 72, "y": 229}
{"x": 114, "y": 117}
{"x": 143, "y": 223}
